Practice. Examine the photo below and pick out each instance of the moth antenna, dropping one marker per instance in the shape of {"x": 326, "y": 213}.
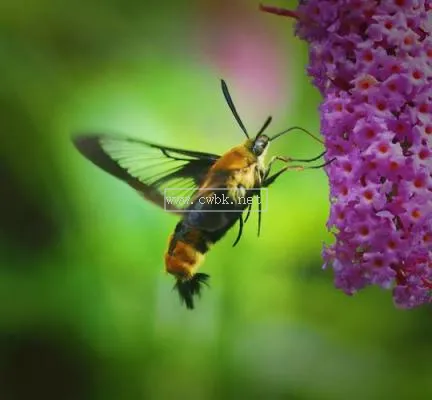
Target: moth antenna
{"x": 231, "y": 105}
{"x": 264, "y": 127}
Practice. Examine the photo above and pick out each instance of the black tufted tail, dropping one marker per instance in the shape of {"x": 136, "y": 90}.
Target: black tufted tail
{"x": 187, "y": 289}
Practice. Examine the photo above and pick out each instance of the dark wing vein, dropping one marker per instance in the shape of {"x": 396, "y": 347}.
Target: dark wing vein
{"x": 148, "y": 168}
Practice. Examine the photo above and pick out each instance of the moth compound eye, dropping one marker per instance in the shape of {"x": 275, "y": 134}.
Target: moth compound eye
{"x": 260, "y": 145}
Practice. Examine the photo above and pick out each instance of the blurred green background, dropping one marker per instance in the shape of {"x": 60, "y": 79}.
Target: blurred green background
{"x": 86, "y": 310}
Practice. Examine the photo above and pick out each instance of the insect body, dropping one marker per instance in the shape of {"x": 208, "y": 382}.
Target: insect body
{"x": 234, "y": 177}
{"x": 237, "y": 176}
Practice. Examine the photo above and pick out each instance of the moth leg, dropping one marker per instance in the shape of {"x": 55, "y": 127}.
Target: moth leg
{"x": 288, "y": 160}
{"x": 270, "y": 179}
{"x": 240, "y": 230}
{"x": 259, "y": 212}
{"x": 271, "y": 162}
{"x": 248, "y": 213}
{"x": 306, "y": 160}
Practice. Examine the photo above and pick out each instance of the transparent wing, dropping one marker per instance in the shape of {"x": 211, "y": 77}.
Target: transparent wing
{"x": 150, "y": 169}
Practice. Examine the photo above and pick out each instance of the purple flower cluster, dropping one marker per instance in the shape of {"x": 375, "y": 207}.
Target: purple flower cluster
{"x": 372, "y": 62}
